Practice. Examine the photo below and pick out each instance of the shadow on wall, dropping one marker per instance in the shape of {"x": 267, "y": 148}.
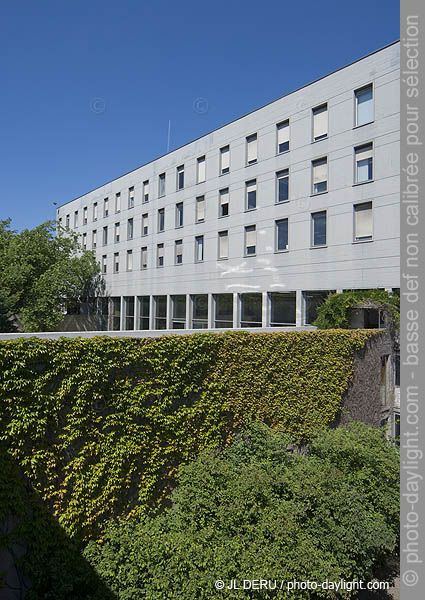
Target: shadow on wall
{"x": 37, "y": 559}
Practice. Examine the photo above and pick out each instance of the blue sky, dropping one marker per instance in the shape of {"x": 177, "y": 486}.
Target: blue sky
{"x": 87, "y": 88}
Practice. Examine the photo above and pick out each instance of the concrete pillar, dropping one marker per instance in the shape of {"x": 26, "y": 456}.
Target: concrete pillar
{"x": 299, "y": 319}
{"x": 236, "y": 319}
{"x": 122, "y": 317}
{"x": 169, "y": 311}
{"x": 211, "y": 307}
{"x": 188, "y": 312}
{"x": 151, "y": 312}
{"x": 265, "y": 310}
{"x": 136, "y": 314}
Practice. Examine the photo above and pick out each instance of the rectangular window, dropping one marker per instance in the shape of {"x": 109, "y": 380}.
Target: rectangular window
{"x": 129, "y": 260}
{"x": 200, "y": 209}
{"x": 130, "y": 229}
{"x": 106, "y": 207}
{"x": 318, "y": 223}
{"x": 95, "y": 211}
{"x": 104, "y": 264}
{"x": 179, "y": 312}
{"x": 146, "y": 191}
{"x": 129, "y": 312}
{"x": 94, "y": 239}
{"x": 76, "y": 218}
{"x": 282, "y": 131}
{"x": 199, "y": 311}
{"x": 363, "y": 221}
{"x": 282, "y": 309}
{"x": 160, "y": 303}
{"x": 160, "y": 255}
{"x": 223, "y": 309}
{"x": 282, "y": 186}
{"x": 131, "y": 197}
{"x": 145, "y": 224}
{"x": 180, "y": 177}
{"x": 224, "y": 160}
{"x": 250, "y": 240}
{"x": 364, "y": 163}
{"x": 179, "y": 214}
{"x": 85, "y": 215}
{"x": 161, "y": 186}
{"x": 281, "y": 242}
{"x": 84, "y": 241}
{"x": 116, "y": 262}
{"x": 199, "y": 248}
{"x": 223, "y": 208}
{"x": 117, "y": 233}
{"x": 251, "y": 149}
{"x": 161, "y": 219}
{"x": 118, "y": 202}
{"x": 320, "y": 175}
{"x": 251, "y": 194}
{"x": 223, "y": 244}
{"x": 178, "y": 252}
{"x": 67, "y": 221}
{"x": 144, "y": 312}
{"x": 116, "y": 313}
{"x": 144, "y": 258}
{"x": 363, "y": 105}
{"x": 312, "y": 302}
{"x": 251, "y": 310}
{"x": 105, "y": 235}
{"x": 201, "y": 169}
{"x": 320, "y": 122}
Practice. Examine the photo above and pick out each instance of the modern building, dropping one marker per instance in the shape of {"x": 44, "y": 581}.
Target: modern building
{"x": 256, "y": 222}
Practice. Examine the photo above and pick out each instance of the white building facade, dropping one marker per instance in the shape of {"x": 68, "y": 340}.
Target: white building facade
{"x": 253, "y": 224}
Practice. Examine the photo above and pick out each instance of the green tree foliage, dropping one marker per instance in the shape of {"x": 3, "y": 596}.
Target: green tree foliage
{"x": 41, "y": 272}
{"x": 255, "y": 511}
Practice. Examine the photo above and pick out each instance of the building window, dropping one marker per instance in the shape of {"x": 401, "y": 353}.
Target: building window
{"x": 84, "y": 241}
{"x": 251, "y": 149}
{"x": 131, "y": 197}
{"x": 76, "y": 218}
{"x": 106, "y": 207}
{"x": 105, "y": 235}
{"x": 144, "y": 312}
{"x": 146, "y": 191}
{"x": 161, "y": 219}
{"x": 223, "y": 208}
{"x": 282, "y": 309}
{"x": 250, "y": 240}
{"x": 223, "y": 244}
{"x": 104, "y": 264}
{"x": 94, "y": 239}
{"x": 251, "y": 194}
{"x": 145, "y": 224}
{"x": 118, "y": 202}
{"x": 85, "y": 215}
{"x": 223, "y": 310}
{"x": 281, "y": 242}
{"x": 224, "y": 160}
{"x": 130, "y": 229}
{"x": 179, "y": 214}
{"x": 178, "y": 252}
{"x": 116, "y": 262}
{"x": 144, "y": 258}
{"x": 364, "y": 163}
{"x": 161, "y": 190}
{"x": 282, "y": 131}
{"x": 95, "y": 211}
{"x": 129, "y": 260}
{"x": 364, "y": 105}
{"x": 320, "y": 122}
{"x": 251, "y": 310}
{"x": 282, "y": 186}
{"x": 200, "y": 209}
{"x": 117, "y": 233}
{"x": 116, "y": 313}
{"x": 201, "y": 169}
{"x": 178, "y": 320}
{"x": 160, "y": 255}
{"x": 199, "y": 311}
{"x": 363, "y": 223}
{"x": 318, "y": 224}
{"x": 160, "y": 303}
{"x": 312, "y": 302}
{"x": 129, "y": 312}
{"x": 199, "y": 248}
{"x": 67, "y": 221}
{"x": 180, "y": 177}
{"x": 320, "y": 175}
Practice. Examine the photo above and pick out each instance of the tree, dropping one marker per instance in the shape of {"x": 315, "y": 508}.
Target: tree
{"x": 258, "y": 511}
{"x": 40, "y": 273}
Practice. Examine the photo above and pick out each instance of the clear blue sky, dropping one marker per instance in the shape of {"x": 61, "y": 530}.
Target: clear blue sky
{"x": 148, "y": 62}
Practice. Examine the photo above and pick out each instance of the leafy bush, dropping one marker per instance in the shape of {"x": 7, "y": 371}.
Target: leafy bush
{"x": 254, "y": 511}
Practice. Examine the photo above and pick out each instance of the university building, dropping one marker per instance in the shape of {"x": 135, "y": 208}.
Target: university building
{"x": 253, "y": 224}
